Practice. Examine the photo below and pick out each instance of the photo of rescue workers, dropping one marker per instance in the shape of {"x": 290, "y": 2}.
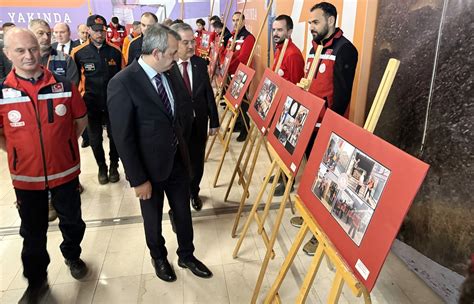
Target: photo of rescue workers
{"x": 290, "y": 124}
{"x": 349, "y": 184}
{"x": 265, "y": 98}
{"x": 238, "y": 84}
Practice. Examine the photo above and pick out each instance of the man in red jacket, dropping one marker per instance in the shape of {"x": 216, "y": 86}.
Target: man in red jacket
{"x": 292, "y": 66}
{"x": 116, "y": 32}
{"x": 41, "y": 117}
{"x": 244, "y": 41}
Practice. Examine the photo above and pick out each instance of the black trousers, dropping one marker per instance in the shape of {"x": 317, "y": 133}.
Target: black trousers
{"x": 176, "y": 188}
{"x": 245, "y": 117}
{"x": 197, "y": 151}
{"x": 33, "y": 210}
{"x": 94, "y": 129}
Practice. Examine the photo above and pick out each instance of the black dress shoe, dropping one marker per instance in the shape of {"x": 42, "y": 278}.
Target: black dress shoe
{"x": 34, "y": 294}
{"x": 77, "y": 268}
{"x": 242, "y": 136}
{"x": 164, "y": 270}
{"x": 280, "y": 190}
{"x": 85, "y": 144}
{"x": 196, "y": 202}
{"x": 196, "y": 267}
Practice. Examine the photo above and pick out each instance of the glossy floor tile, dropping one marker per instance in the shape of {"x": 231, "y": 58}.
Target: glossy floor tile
{"x": 120, "y": 269}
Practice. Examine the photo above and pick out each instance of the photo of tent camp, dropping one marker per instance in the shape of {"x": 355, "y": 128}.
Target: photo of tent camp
{"x": 290, "y": 124}
{"x": 265, "y": 98}
{"x": 238, "y": 84}
{"x": 349, "y": 184}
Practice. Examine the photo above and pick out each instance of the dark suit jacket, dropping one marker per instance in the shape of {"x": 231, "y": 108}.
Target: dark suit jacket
{"x": 202, "y": 101}
{"x": 142, "y": 129}
{"x": 74, "y": 43}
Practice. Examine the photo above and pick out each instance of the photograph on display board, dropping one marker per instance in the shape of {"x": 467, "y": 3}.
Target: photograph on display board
{"x": 212, "y": 61}
{"x": 205, "y": 41}
{"x": 222, "y": 69}
{"x": 349, "y": 184}
{"x": 291, "y": 123}
{"x": 239, "y": 85}
{"x": 266, "y": 99}
{"x": 358, "y": 189}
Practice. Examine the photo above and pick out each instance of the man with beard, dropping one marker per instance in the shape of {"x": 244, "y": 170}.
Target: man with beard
{"x": 134, "y": 49}
{"x": 335, "y": 74}
{"x": 242, "y": 48}
{"x": 98, "y": 61}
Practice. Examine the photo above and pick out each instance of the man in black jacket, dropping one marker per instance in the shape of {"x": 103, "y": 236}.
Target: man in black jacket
{"x": 98, "y": 61}
{"x": 195, "y": 91}
{"x": 134, "y": 50}
{"x": 144, "y": 114}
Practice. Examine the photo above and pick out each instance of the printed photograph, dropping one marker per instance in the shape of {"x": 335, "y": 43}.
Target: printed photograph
{"x": 238, "y": 84}
{"x": 349, "y": 184}
{"x": 205, "y": 40}
{"x": 290, "y": 124}
{"x": 265, "y": 98}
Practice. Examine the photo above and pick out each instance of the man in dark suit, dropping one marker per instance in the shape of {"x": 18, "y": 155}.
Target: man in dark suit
{"x": 145, "y": 119}
{"x": 63, "y": 43}
{"x": 189, "y": 78}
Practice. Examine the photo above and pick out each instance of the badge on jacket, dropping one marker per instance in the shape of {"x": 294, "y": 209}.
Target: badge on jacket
{"x": 112, "y": 62}
{"x": 57, "y": 87}
{"x": 89, "y": 67}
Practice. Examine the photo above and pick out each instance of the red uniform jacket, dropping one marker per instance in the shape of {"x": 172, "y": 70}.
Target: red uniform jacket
{"x": 242, "y": 49}
{"x": 335, "y": 73}
{"x": 38, "y": 123}
{"x": 292, "y": 66}
{"x": 119, "y": 32}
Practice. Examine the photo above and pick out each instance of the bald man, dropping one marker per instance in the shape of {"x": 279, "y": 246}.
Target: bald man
{"x": 41, "y": 117}
{"x": 63, "y": 43}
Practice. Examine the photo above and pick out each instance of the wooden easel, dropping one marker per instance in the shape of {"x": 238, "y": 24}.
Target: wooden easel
{"x": 255, "y": 138}
{"x": 229, "y": 129}
{"x": 325, "y": 247}
{"x": 280, "y": 167}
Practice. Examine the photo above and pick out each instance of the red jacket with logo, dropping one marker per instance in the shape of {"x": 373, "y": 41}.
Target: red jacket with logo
{"x": 38, "y": 123}
{"x": 292, "y": 66}
{"x": 335, "y": 73}
{"x": 118, "y": 32}
{"x": 242, "y": 49}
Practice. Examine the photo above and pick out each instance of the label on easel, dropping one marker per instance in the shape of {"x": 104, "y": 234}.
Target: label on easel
{"x": 263, "y": 129}
{"x": 362, "y": 269}
{"x": 293, "y": 167}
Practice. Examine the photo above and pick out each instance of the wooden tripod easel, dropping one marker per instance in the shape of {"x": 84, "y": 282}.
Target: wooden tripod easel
{"x": 325, "y": 247}
{"x": 254, "y": 139}
{"x": 230, "y": 128}
{"x": 280, "y": 167}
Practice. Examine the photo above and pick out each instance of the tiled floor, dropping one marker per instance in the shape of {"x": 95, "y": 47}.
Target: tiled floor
{"x": 119, "y": 262}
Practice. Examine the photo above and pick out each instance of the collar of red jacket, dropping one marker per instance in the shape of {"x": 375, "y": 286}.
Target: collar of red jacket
{"x": 280, "y": 45}
{"x": 330, "y": 40}
{"x": 12, "y": 79}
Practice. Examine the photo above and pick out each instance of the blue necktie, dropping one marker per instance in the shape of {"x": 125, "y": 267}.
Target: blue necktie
{"x": 162, "y": 93}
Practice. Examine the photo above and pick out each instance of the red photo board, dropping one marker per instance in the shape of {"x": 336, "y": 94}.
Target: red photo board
{"x": 294, "y": 122}
{"x": 265, "y": 100}
{"x": 204, "y": 43}
{"x": 223, "y": 69}
{"x": 359, "y": 188}
{"x": 239, "y": 85}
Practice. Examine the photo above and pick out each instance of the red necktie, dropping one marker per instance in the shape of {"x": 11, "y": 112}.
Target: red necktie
{"x": 187, "y": 83}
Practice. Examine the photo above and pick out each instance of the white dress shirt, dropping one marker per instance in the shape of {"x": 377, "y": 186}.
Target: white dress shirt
{"x": 151, "y": 73}
{"x": 67, "y": 46}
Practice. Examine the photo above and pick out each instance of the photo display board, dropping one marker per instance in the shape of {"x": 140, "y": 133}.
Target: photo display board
{"x": 239, "y": 84}
{"x": 205, "y": 43}
{"x": 294, "y": 122}
{"x": 265, "y": 100}
{"x": 359, "y": 188}
{"x": 222, "y": 71}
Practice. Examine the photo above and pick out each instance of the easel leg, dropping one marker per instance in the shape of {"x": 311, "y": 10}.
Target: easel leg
{"x": 226, "y": 146}
{"x": 269, "y": 201}
{"x": 336, "y": 288}
{"x": 244, "y": 196}
{"x": 287, "y": 263}
{"x": 237, "y": 168}
{"x": 311, "y": 274}
{"x": 218, "y": 133}
{"x": 254, "y": 210}
{"x": 276, "y": 228}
